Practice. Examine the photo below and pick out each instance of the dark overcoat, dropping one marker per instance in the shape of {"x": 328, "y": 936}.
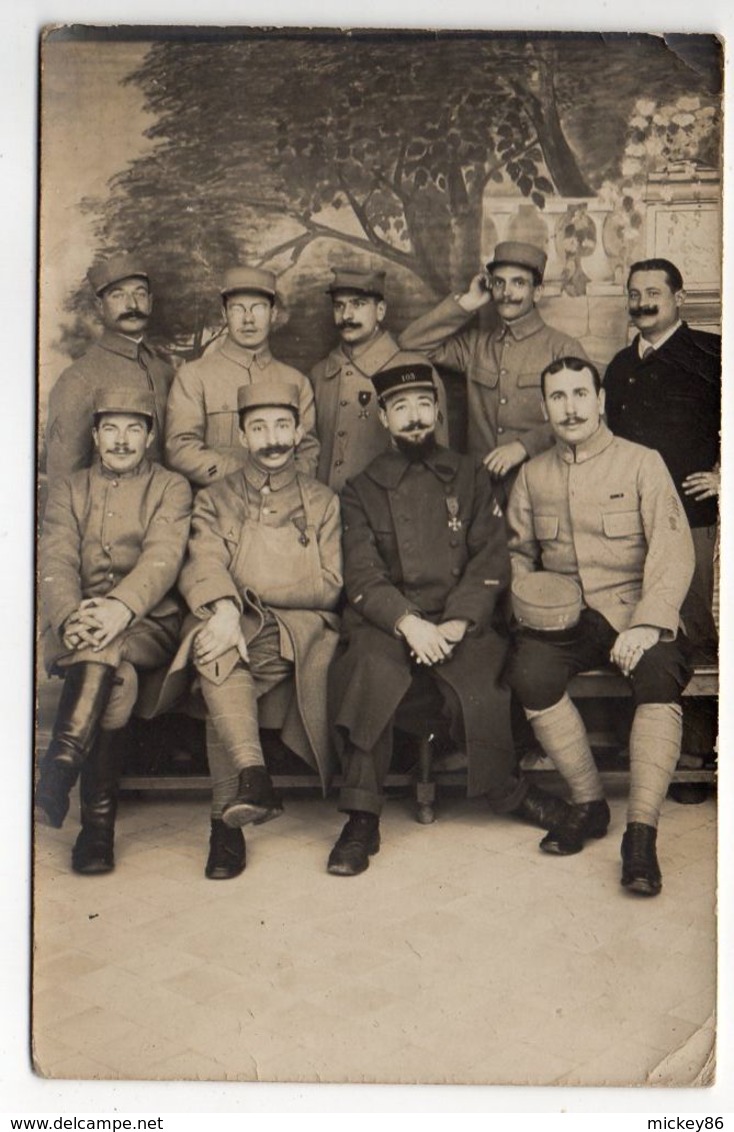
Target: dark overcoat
{"x": 429, "y": 539}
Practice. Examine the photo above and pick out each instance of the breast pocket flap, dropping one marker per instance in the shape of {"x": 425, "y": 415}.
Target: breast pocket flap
{"x": 621, "y": 524}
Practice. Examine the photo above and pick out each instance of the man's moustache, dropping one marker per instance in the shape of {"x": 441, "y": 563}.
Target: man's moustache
{"x": 274, "y": 450}
{"x": 130, "y": 314}
{"x": 119, "y": 451}
{"x": 574, "y": 420}
{"x": 414, "y": 426}
{"x": 637, "y": 311}
{"x": 349, "y": 326}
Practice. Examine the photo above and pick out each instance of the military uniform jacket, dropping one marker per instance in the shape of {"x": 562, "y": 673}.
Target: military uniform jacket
{"x": 671, "y": 401}
{"x": 502, "y": 371}
{"x": 114, "y": 536}
{"x": 269, "y": 543}
{"x": 423, "y": 538}
{"x": 115, "y": 361}
{"x": 607, "y": 514}
{"x": 347, "y": 416}
{"x": 202, "y": 437}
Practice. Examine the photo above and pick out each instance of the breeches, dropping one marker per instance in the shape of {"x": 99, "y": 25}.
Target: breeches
{"x": 542, "y": 664}
{"x": 146, "y": 644}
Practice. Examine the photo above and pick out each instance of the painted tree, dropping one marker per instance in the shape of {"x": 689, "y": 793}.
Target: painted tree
{"x": 387, "y": 144}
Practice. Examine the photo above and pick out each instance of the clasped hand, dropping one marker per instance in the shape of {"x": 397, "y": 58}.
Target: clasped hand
{"x": 428, "y": 643}
{"x": 95, "y": 623}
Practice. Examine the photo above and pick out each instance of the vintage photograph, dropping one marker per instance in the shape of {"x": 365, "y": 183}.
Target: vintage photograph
{"x": 379, "y": 411}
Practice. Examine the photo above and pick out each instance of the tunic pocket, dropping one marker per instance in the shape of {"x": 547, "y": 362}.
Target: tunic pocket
{"x": 529, "y": 380}
{"x": 484, "y": 373}
{"x": 622, "y": 524}
{"x": 545, "y": 527}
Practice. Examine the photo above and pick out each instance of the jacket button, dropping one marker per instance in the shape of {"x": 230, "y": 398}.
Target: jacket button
{"x": 453, "y": 542}
{"x": 338, "y": 463}
{"x": 503, "y": 373}
{"x": 342, "y": 432}
{"x": 343, "y": 403}
{"x": 456, "y": 571}
{"x": 503, "y": 400}
{"x": 500, "y": 429}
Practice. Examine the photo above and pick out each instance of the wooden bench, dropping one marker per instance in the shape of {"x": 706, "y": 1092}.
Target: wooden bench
{"x": 600, "y": 684}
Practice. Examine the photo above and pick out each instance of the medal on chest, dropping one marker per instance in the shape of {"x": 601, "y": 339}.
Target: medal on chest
{"x": 452, "y": 506}
{"x": 299, "y": 522}
{"x": 364, "y": 399}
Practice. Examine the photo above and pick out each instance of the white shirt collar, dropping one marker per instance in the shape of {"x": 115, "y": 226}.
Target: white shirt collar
{"x": 644, "y": 345}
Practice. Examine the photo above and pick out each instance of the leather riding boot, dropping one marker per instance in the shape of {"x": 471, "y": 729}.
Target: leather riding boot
{"x": 587, "y": 819}
{"x": 640, "y": 869}
{"x": 357, "y": 842}
{"x": 227, "y": 853}
{"x": 99, "y": 781}
{"x": 84, "y": 698}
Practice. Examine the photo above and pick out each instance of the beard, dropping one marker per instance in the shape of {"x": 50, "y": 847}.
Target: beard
{"x": 416, "y": 451}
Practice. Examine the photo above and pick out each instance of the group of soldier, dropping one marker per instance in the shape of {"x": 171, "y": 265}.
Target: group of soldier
{"x": 310, "y": 550}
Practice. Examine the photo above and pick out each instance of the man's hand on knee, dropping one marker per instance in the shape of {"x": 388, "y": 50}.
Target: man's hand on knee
{"x": 219, "y": 634}
{"x": 630, "y": 645}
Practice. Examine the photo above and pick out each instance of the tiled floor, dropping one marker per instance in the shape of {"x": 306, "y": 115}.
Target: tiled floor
{"x": 462, "y": 955}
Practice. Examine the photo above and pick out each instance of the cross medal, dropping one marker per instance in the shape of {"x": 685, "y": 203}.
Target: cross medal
{"x": 364, "y": 399}
{"x": 452, "y": 506}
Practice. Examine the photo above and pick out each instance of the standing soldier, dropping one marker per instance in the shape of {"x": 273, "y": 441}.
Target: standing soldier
{"x": 121, "y": 357}
{"x": 347, "y": 416}
{"x": 113, "y": 542}
{"x": 502, "y": 368}
{"x": 202, "y": 424}
{"x": 664, "y": 391}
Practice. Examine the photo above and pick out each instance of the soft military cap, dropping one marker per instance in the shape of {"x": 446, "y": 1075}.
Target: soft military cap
{"x": 519, "y": 254}
{"x": 397, "y": 378}
{"x": 546, "y": 601}
{"x": 268, "y": 394}
{"x": 252, "y": 279}
{"x": 124, "y": 399}
{"x": 105, "y": 272}
{"x": 362, "y": 282}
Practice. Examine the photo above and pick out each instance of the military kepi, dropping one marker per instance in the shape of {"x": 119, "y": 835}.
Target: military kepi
{"x": 250, "y": 279}
{"x": 268, "y": 395}
{"x": 546, "y": 601}
{"x": 125, "y": 399}
{"x": 123, "y": 265}
{"x": 518, "y": 254}
{"x": 415, "y": 376}
{"x": 360, "y": 282}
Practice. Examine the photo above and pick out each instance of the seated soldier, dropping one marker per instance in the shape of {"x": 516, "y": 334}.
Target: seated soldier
{"x": 262, "y": 574}
{"x": 114, "y": 538}
{"x": 426, "y": 567}
{"x": 605, "y": 513}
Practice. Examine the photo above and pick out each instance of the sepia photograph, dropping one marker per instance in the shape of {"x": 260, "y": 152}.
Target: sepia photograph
{"x": 378, "y": 448}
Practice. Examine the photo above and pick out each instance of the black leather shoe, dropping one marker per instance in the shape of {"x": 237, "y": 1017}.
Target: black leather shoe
{"x": 257, "y": 801}
{"x": 640, "y": 869}
{"x": 357, "y": 842}
{"x": 93, "y": 852}
{"x": 227, "y": 854}
{"x": 544, "y": 810}
{"x": 589, "y": 819}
